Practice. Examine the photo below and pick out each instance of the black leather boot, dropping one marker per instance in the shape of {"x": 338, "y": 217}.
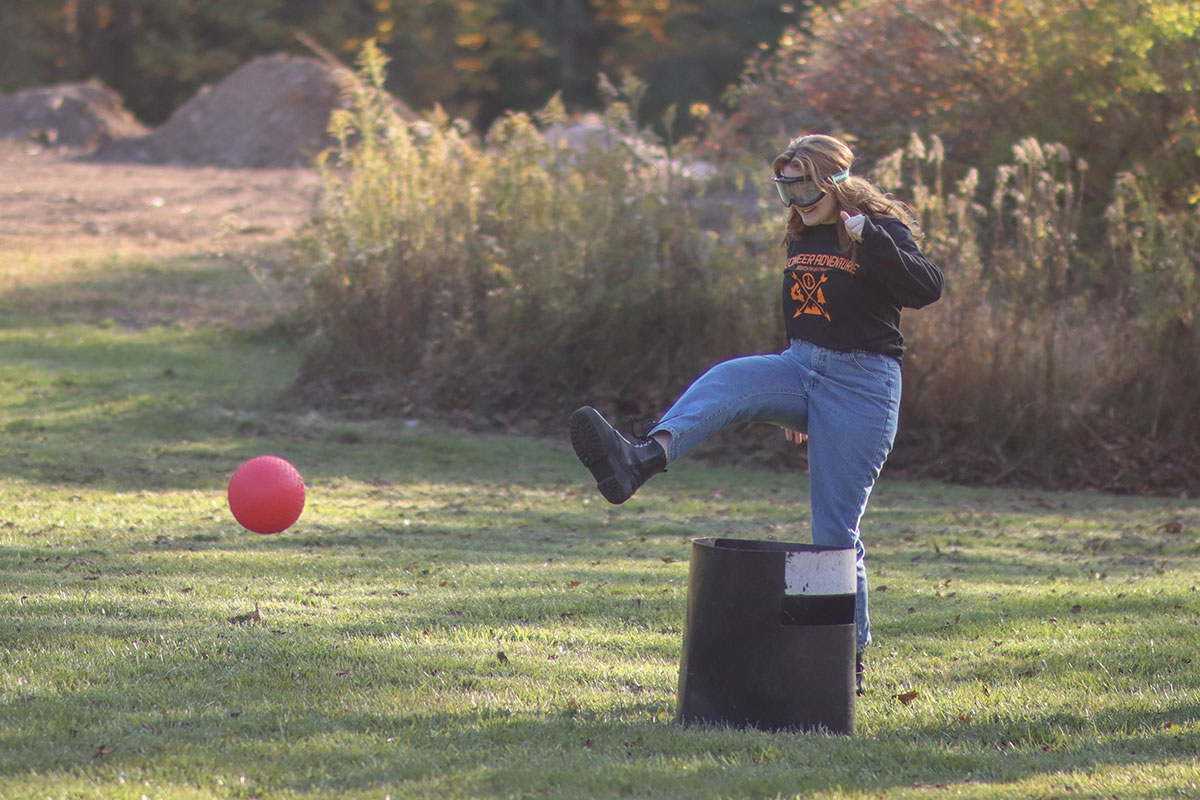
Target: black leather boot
{"x": 619, "y": 466}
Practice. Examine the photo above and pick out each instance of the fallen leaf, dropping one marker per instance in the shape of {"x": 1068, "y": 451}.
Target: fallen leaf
{"x": 102, "y": 751}
{"x": 1172, "y": 526}
{"x": 906, "y": 697}
{"x": 501, "y": 657}
{"x": 245, "y": 619}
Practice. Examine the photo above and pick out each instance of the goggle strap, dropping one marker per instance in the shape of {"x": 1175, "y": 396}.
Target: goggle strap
{"x": 836, "y": 177}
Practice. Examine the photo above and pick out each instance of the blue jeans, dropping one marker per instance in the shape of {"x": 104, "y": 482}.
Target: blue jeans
{"x": 848, "y": 404}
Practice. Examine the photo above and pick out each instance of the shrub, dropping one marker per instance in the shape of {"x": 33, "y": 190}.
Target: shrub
{"x": 518, "y": 274}
{"x": 1052, "y": 361}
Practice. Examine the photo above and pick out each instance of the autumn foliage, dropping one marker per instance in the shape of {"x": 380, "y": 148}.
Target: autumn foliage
{"x": 1116, "y": 82}
{"x": 477, "y": 58}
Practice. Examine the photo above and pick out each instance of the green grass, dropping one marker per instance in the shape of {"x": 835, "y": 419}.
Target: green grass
{"x": 458, "y": 615}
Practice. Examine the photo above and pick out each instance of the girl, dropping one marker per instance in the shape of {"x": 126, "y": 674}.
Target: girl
{"x": 852, "y": 264}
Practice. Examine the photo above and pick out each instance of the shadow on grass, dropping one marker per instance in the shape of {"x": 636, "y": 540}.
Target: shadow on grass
{"x": 205, "y": 289}
{"x": 182, "y": 687}
{"x": 179, "y": 408}
{"x": 176, "y": 718}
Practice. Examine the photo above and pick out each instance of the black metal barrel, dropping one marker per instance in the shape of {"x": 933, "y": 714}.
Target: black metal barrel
{"x": 769, "y": 639}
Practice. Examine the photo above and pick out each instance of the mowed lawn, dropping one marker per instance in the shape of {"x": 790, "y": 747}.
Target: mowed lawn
{"x": 460, "y": 615}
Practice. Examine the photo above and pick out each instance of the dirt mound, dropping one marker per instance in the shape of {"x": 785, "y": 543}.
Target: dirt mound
{"x": 272, "y": 112}
{"x": 73, "y": 115}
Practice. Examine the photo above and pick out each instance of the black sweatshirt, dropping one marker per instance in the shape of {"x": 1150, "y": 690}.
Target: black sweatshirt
{"x": 841, "y": 303}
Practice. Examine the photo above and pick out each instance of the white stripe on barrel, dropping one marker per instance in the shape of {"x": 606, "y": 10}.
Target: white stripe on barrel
{"x": 819, "y": 572}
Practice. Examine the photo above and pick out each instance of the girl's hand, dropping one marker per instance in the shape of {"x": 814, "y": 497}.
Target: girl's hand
{"x": 795, "y": 436}
{"x": 854, "y": 225}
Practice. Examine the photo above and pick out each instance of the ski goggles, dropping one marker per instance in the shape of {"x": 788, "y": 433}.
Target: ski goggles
{"x": 801, "y": 191}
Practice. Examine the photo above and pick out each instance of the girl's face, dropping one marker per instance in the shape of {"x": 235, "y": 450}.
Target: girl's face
{"x": 823, "y": 212}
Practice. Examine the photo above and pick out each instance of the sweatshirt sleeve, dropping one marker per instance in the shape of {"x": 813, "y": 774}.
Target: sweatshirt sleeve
{"x": 894, "y": 262}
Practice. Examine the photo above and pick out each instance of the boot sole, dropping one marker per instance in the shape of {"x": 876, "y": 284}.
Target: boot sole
{"x": 589, "y": 447}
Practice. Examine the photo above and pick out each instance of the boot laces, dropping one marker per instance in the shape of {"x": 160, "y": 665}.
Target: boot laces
{"x": 640, "y": 427}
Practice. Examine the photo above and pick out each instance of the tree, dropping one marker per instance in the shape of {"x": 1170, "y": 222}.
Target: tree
{"x": 157, "y": 53}
{"x": 476, "y": 58}
{"x": 486, "y": 57}
{"x": 1115, "y": 81}
{"x": 33, "y": 43}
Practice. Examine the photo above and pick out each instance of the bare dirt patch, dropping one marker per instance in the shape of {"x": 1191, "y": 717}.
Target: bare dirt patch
{"x": 48, "y": 194}
{"x": 147, "y": 244}
{"x": 190, "y": 222}
{"x": 233, "y": 161}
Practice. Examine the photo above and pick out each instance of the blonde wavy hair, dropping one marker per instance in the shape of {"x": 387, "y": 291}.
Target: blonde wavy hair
{"x": 819, "y": 156}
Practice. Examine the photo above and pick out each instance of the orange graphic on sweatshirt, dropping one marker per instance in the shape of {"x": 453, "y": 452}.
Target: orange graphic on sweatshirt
{"x": 807, "y": 292}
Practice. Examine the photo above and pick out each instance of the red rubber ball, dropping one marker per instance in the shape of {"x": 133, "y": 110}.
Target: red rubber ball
{"x": 266, "y": 494}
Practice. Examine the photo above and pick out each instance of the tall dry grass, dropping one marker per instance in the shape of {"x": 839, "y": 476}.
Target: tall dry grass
{"x": 1065, "y": 352}
{"x": 517, "y": 275}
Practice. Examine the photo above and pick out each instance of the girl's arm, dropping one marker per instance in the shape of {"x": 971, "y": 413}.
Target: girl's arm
{"x": 891, "y": 258}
